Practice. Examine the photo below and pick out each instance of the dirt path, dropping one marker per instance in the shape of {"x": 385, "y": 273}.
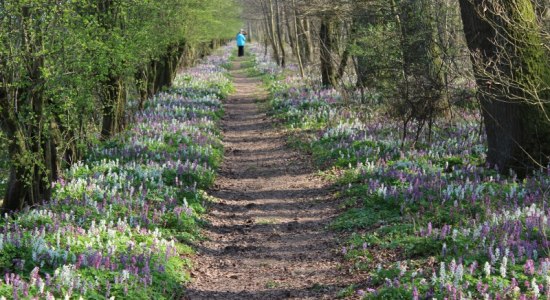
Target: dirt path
{"x": 268, "y": 237}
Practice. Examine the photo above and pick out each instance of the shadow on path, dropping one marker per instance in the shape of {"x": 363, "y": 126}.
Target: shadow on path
{"x": 267, "y": 236}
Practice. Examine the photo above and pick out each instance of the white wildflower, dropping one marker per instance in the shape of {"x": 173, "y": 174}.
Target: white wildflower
{"x": 459, "y": 273}
{"x": 58, "y": 238}
{"x": 503, "y": 266}
{"x": 41, "y": 285}
{"x": 487, "y": 269}
{"x": 535, "y": 287}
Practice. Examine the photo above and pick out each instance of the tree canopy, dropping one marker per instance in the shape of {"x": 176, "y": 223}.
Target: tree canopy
{"x": 67, "y": 68}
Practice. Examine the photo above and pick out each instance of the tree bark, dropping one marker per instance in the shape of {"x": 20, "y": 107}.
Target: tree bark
{"x": 328, "y": 48}
{"x": 142, "y": 81}
{"x": 32, "y": 151}
{"x": 363, "y": 67}
{"x": 113, "y": 94}
{"x": 268, "y": 11}
{"x": 18, "y": 191}
{"x": 114, "y": 103}
{"x": 420, "y": 53}
{"x": 297, "y": 41}
{"x": 249, "y": 32}
{"x": 508, "y": 58}
{"x": 305, "y": 42}
{"x": 280, "y": 34}
{"x": 24, "y": 120}
{"x": 346, "y": 54}
{"x": 290, "y": 29}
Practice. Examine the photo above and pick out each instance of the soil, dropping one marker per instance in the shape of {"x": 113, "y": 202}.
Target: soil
{"x": 267, "y": 236}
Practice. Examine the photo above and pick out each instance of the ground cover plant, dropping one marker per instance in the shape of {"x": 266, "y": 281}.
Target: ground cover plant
{"x": 429, "y": 221}
{"x": 427, "y": 118}
{"x": 120, "y": 221}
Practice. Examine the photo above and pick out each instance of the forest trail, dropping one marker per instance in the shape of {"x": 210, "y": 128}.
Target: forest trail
{"x": 267, "y": 237}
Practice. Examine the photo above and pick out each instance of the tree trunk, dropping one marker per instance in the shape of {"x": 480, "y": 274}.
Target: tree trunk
{"x": 310, "y": 49}
{"x": 249, "y": 32}
{"x": 420, "y": 53}
{"x": 151, "y": 78}
{"x": 290, "y": 29}
{"x": 25, "y": 123}
{"x": 33, "y": 157}
{"x": 509, "y": 74}
{"x": 280, "y": 35}
{"x": 346, "y": 55}
{"x": 114, "y": 96}
{"x": 268, "y": 10}
{"x": 297, "y": 41}
{"x": 114, "y": 103}
{"x": 305, "y": 42}
{"x": 363, "y": 67}
{"x": 142, "y": 80}
{"x": 328, "y": 47}
{"x": 17, "y": 192}
{"x": 267, "y": 40}
{"x": 170, "y": 63}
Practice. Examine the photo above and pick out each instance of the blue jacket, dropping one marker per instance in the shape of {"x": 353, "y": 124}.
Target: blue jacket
{"x": 241, "y": 39}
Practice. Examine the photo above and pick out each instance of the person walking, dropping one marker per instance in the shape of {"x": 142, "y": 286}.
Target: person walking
{"x": 241, "y": 41}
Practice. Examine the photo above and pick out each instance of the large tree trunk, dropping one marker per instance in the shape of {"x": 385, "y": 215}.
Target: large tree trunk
{"x": 510, "y": 66}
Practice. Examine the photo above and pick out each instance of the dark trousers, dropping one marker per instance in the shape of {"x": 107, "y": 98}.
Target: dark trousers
{"x": 241, "y": 51}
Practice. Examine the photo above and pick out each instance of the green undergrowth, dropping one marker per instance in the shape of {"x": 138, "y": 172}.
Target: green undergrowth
{"x": 425, "y": 216}
{"x": 123, "y": 222}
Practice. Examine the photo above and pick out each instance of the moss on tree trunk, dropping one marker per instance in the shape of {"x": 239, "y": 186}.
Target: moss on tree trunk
{"x": 513, "y": 78}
